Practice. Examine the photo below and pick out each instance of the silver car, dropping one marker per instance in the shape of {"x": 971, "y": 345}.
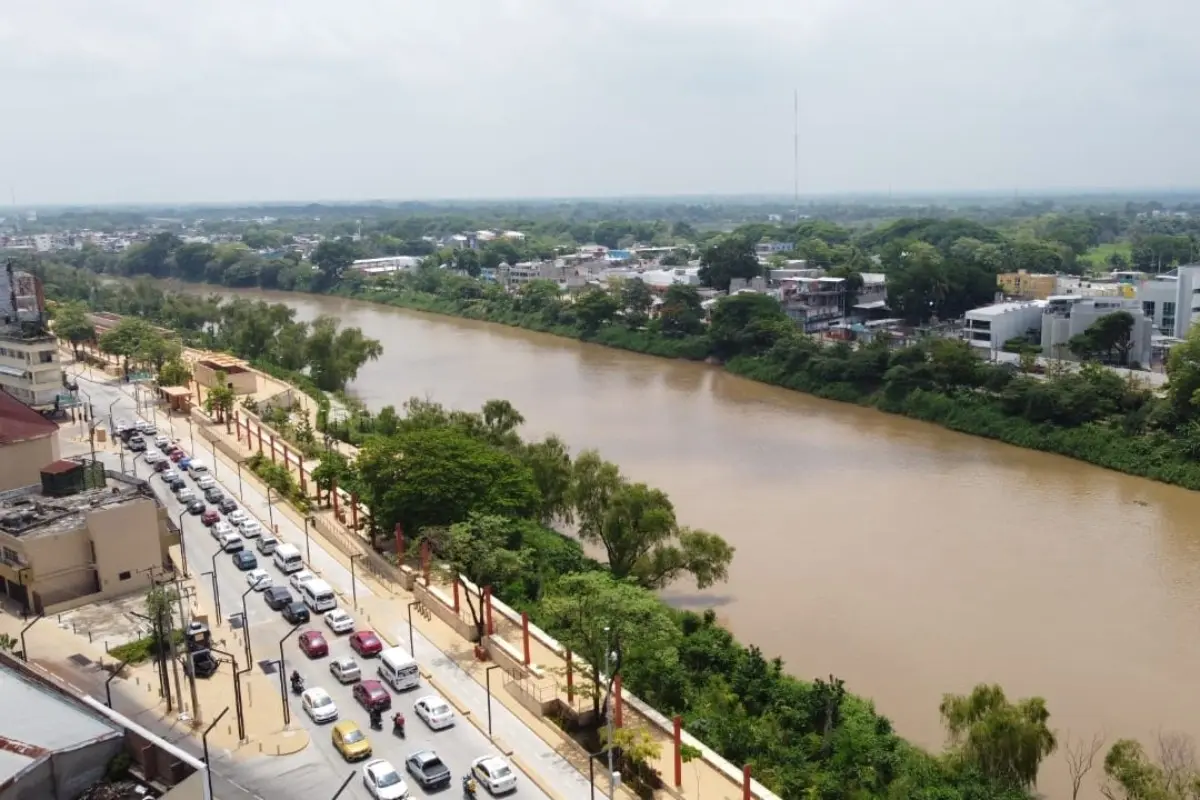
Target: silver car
{"x": 346, "y": 670}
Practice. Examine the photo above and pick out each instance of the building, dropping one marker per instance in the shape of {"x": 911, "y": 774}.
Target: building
{"x": 990, "y": 327}
{"x": 82, "y": 535}
{"x": 238, "y": 374}
{"x": 1066, "y": 316}
{"x": 768, "y": 248}
{"x": 1027, "y": 285}
{"x": 55, "y": 744}
{"x": 1172, "y": 300}
{"x": 814, "y": 303}
{"x": 382, "y": 266}
{"x": 28, "y": 441}
{"x": 29, "y": 367}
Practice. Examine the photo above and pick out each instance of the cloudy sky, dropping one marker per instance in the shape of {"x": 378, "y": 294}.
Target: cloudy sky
{"x": 251, "y": 100}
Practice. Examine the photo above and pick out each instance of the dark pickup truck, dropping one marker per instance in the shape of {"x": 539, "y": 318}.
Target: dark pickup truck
{"x": 202, "y": 662}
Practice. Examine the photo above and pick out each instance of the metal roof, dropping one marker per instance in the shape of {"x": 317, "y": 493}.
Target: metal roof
{"x": 20, "y": 423}
{"x": 38, "y": 717}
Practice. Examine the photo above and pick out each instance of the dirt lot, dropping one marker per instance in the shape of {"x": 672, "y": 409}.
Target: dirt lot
{"x": 112, "y": 622}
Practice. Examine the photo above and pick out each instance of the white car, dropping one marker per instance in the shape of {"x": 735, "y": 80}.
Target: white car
{"x": 250, "y": 528}
{"x": 339, "y": 621}
{"x": 205, "y": 483}
{"x": 237, "y": 517}
{"x": 300, "y": 578}
{"x": 346, "y": 670}
{"x": 162, "y": 442}
{"x": 495, "y": 774}
{"x": 436, "y": 712}
{"x": 260, "y": 579}
{"x": 319, "y": 705}
{"x": 185, "y": 496}
{"x": 383, "y": 782}
{"x": 168, "y": 475}
{"x": 153, "y": 457}
{"x": 220, "y": 528}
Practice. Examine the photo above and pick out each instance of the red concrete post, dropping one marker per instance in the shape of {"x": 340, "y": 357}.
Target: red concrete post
{"x": 456, "y": 597}
{"x": 746, "y": 795}
{"x": 354, "y": 513}
{"x": 287, "y": 461}
{"x": 617, "y": 701}
{"x": 303, "y": 485}
{"x": 272, "y": 448}
{"x": 259, "y": 435}
{"x": 525, "y": 635}
{"x": 237, "y": 426}
{"x": 491, "y": 625}
{"x": 570, "y": 677}
{"x": 425, "y": 561}
{"x": 399, "y": 544}
{"x": 678, "y": 751}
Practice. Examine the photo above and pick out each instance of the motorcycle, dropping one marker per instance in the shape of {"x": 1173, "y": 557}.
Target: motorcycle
{"x": 376, "y": 720}
{"x": 297, "y": 683}
{"x": 469, "y": 786}
{"x": 398, "y": 725}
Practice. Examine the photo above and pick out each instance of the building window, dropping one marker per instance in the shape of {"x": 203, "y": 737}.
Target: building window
{"x": 46, "y": 357}
{"x": 1148, "y": 308}
{"x": 11, "y": 556}
{"x": 126, "y": 575}
{"x": 1168, "y": 318}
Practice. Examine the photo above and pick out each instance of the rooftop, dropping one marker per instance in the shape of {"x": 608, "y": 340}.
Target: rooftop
{"x": 27, "y": 512}
{"x": 38, "y": 721}
{"x": 20, "y": 423}
{"x": 999, "y": 309}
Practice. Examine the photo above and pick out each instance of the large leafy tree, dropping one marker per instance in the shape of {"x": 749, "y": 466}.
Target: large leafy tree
{"x": 681, "y": 313}
{"x": 747, "y": 324}
{"x": 550, "y": 462}
{"x": 636, "y": 526}
{"x": 600, "y": 617}
{"x": 135, "y": 340}
{"x": 333, "y": 257}
{"x": 71, "y": 322}
{"x": 726, "y": 258}
{"x": 438, "y": 476}
{"x": 220, "y": 399}
{"x": 594, "y": 309}
{"x": 334, "y": 356}
{"x": 475, "y": 554}
{"x": 1004, "y": 740}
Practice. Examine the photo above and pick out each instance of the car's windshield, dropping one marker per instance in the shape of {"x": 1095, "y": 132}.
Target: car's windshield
{"x": 354, "y": 736}
{"x": 322, "y": 700}
{"x": 389, "y": 778}
{"x": 500, "y": 771}
{"x": 438, "y": 709}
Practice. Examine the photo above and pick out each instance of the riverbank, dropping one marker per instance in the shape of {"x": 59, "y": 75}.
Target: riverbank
{"x": 1148, "y": 454}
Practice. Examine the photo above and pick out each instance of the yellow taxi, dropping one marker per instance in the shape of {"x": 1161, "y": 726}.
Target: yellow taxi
{"x": 350, "y": 741}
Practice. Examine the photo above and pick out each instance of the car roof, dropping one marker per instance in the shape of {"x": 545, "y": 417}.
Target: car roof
{"x": 316, "y": 691}
{"x": 345, "y": 726}
{"x": 424, "y": 755}
{"x": 371, "y": 685}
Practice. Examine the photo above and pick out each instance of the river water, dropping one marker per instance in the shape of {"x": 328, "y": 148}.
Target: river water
{"x": 906, "y": 559}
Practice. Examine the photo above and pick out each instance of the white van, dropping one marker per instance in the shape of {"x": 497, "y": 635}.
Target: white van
{"x": 231, "y": 543}
{"x": 398, "y": 668}
{"x": 318, "y": 595}
{"x": 197, "y": 468}
{"x": 287, "y": 558}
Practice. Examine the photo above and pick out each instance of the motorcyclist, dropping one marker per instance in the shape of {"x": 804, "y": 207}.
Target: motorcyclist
{"x": 398, "y": 723}
{"x": 469, "y": 785}
{"x": 376, "y": 719}
{"x": 297, "y": 681}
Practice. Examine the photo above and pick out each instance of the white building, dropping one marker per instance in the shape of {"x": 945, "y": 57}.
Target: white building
{"x": 1069, "y": 315}
{"x": 29, "y": 369}
{"x": 376, "y": 266}
{"x": 990, "y": 327}
{"x": 1172, "y": 300}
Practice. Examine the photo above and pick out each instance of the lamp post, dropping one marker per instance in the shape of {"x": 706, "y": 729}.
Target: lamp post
{"x": 237, "y": 692}
{"x": 488, "y": 675}
{"x": 182, "y": 544}
{"x": 307, "y": 550}
{"x": 212, "y": 447}
{"x": 612, "y": 777}
{"x": 270, "y": 509}
{"x": 239, "y": 466}
{"x": 246, "y": 625}
{"x": 112, "y": 423}
{"x": 213, "y": 575}
{"x": 412, "y": 650}
{"x": 353, "y": 583}
{"x": 287, "y": 712}
{"x": 24, "y": 654}
{"x": 216, "y": 592}
{"x": 345, "y": 783}
{"x": 108, "y": 681}
{"x": 204, "y": 741}
{"x": 191, "y": 436}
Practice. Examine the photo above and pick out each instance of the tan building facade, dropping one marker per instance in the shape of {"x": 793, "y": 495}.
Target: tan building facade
{"x": 99, "y": 543}
{"x": 1027, "y": 285}
{"x": 237, "y": 372}
{"x": 30, "y": 369}
{"x": 28, "y": 442}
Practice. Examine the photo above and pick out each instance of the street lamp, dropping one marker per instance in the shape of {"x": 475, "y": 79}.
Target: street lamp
{"x": 488, "y": 675}
{"x": 412, "y": 650}
{"x": 612, "y": 776}
{"x": 108, "y": 682}
{"x": 246, "y": 625}
{"x": 216, "y": 593}
{"x": 191, "y": 435}
{"x": 112, "y": 423}
{"x": 237, "y": 691}
{"x": 353, "y": 583}
{"x": 270, "y": 509}
{"x": 287, "y": 712}
{"x": 182, "y": 544}
{"x": 212, "y": 446}
{"x": 24, "y": 654}
{"x": 345, "y": 783}
{"x": 204, "y": 741}
{"x": 239, "y": 466}
{"x": 307, "y": 551}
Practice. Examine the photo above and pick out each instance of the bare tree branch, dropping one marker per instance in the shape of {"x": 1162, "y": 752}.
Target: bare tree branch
{"x": 1177, "y": 756}
{"x": 1080, "y": 755}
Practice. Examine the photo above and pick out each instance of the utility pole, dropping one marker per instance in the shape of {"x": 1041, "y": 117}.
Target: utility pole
{"x": 191, "y": 673}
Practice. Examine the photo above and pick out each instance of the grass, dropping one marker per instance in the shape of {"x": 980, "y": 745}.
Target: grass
{"x": 1098, "y": 256}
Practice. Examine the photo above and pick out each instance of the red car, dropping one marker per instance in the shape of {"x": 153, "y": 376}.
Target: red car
{"x": 313, "y": 644}
{"x": 366, "y": 643}
{"x": 162, "y": 466}
{"x": 177, "y": 455}
{"x": 210, "y": 517}
{"x": 371, "y": 695}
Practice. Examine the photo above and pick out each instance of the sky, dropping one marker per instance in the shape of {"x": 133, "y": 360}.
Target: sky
{"x": 118, "y": 101}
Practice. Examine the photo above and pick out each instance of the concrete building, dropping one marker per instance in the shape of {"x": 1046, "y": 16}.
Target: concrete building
{"x": 1027, "y": 285}
{"x": 55, "y": 744}
{"x": 81, "y": 535}
{"x": 28, "y": 442}
{"x": 816, "y": 304}
{"x": 30, "y": 369}
{"x": 1067, "y": 315}
{"x": 988, "y": 328}
{"x": 382, "y": 266}
{"x": 238, "y": 374}
{"x": 1172, "y": 300}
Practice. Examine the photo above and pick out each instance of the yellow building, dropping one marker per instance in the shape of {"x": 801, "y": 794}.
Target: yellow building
{"x": 28, "y": 442}
{"x": 1027, "y": 285}
{"x": 238, "y": 375}
{"x": 80, "y": 536}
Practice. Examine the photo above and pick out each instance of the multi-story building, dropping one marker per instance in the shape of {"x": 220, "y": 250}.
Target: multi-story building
{"x": 1066, "y": 316}
{"x": 988, "y": 328}
{"x": 1027, "y": 285}
{"x": 29, "y": 367}
{"x": 1172, "y": 300}
{"x": 81, "y": 535}
{"x": 28, "y": 441}
{"x": 814, "y": 303}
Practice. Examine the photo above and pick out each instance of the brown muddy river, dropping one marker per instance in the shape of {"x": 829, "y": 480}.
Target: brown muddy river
{"x": 904, "y": 558}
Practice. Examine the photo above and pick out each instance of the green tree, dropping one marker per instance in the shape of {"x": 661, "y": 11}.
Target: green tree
{"x": 636, "y": 526}
{"x": 1183, "y": 373}
{"x": 599, "y": 617}
{"x": 475, "y": 554}
{"x": 1130, "y": 774}
{"x": 636, "y": 296}
{"x": 727, "y": 258}
{"x": 550, "y": 463}
{"x": 333, "y": 257}
{"x": 333, "y": 468}
{"x": 334, "y": 356}
{"x": 175, "y": 372}
{"x": 134, "y": 340}
{"x": 681, "y": 313}
{"x": 467, "y": 260}
{"x": 220, "y": 400}
{"x": 71, "y": 322}
{"x": 1005, "y": 741}
{"x": 192, "y": 260}
{"x": 438, "y": 476}
{"x": 1110, "y": 337}
{"x": 594, "y": 309}
{"x": 747, "y": 324}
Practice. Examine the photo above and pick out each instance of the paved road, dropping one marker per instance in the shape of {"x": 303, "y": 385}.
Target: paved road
{"x": 319, "y": 765}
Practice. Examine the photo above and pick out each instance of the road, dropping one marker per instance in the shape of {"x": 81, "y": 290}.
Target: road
{"x": 319, "y": 767}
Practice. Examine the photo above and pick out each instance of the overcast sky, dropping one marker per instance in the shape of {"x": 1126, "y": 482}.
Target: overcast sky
{"x": 253, "y": 100}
